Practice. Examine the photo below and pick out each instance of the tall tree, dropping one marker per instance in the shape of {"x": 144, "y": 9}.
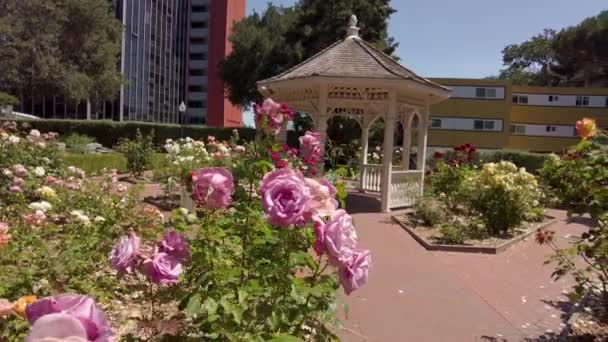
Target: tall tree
{"x": 552, "y": 57}
{"x": 59, "y": 47}
{"x": 281, "y": 37}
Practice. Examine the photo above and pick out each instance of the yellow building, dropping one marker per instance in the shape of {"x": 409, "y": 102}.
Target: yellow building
{"x": 495, "y": 114}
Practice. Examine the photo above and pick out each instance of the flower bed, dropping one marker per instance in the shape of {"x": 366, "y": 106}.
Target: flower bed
{"x": 262, "y": 254}
{"x": 432, "y": 238}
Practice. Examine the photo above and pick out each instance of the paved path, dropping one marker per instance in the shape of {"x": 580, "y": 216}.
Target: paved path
{"x": 416, "y": 295}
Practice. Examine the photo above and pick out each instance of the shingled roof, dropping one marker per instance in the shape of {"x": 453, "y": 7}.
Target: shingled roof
{"x": 351, "y": 58}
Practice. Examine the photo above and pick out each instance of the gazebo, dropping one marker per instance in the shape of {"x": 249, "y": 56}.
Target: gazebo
{"x": 353, "y": 78}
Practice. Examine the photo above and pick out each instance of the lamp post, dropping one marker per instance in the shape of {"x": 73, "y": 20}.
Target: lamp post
{"x": 182, "y": 110}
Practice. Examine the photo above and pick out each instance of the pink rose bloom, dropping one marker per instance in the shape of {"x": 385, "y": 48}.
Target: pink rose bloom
{"x": 36, "y": 219}
{"x": 217, "y": 155}
{"x": 311, "y": 149}
{"x": 174, "y": 244}
{"x": 5, "y": 237}
{"x": 15, "y": 189}
{"x": 82, "y": 308}
{"x": 280, "y": 164}
{"x": 285, "y": 197}
{"x": 319, "y": 227}
{"x": 6, "y": 307}
{"x": 19, "y": 170}
{"x": 354, "y": 272}
{"x": 162, "y": 269}
{"x": 57, "y": 327}
{"x": 270, "y": 117}
{"x": 51, "y": 180}
{"x": 239, "y": 148}
{"x": 124, "y": 254}
{"x": 72, "y": 186}
{"x": 212, "y": 187}
{"x": 323, "y": 196}
{"x": 339, "y": 237}
{"x": 18, "y": 181}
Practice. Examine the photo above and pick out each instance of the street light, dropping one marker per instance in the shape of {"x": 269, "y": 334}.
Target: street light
{"x": 182, "y": 110}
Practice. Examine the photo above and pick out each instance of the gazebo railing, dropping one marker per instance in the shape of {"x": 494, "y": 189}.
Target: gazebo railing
{"x": 406, "y": 188}
{"x": 371, "y": 177}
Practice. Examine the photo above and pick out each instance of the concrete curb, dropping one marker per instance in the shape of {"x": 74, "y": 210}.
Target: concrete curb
{"x": 472, "y": 249}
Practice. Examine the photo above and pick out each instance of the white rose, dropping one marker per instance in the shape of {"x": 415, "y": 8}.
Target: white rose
{"x": 99, "y": 219}
{"x": 7, "y": 173}
{"x": 35, "y": 133}
{"x": 14, "y": 139}
{"x": 41, "y": 205}
{"x": 39, "y": 171}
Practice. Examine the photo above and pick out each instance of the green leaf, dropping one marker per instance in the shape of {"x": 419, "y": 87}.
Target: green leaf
{"x": 210, "y": 306}
{"x": 194, "y": 307}
{"x": 286, "y": 338}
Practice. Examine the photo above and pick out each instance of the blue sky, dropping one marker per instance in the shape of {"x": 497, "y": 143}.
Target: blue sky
{"x": 464, "y": 38}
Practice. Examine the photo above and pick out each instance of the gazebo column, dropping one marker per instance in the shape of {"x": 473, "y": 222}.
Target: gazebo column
{"x": 387, "y": 161}
{"x": 407, "y": 141}
{"x": 320, "y": 122}
{"x": 422, "y": 140}
{"x": 364, "y": 150}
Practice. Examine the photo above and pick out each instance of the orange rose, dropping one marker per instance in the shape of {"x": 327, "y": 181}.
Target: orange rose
{"x": 586, "y": 128}
{"x": 20, "y": 304}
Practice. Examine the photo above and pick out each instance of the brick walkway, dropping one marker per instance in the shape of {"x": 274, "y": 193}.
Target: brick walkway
{"x": 416, "y": 295}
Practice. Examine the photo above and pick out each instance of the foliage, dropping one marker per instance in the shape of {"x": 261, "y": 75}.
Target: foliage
{"x": 96, "y": 164}
{"x": 138, "y": 152}
{"x": 108, "y": 133}
{"x": 532, "y": 162}
{"x": 553, "y": 57}
{"x": 579, "y": 178}
{"x": 503, "y": 195}
{"x": 430, "y": 211}
{"x": 8, "y": 100}
{"x": 269, "y": 43}
{"x": 77, "y": 143}
{"x": 592, "y": 250}
{"x": 65, "y": 47}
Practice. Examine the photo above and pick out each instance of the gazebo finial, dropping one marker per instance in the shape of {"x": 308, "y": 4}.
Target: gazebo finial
{"x": 352, "y": 30}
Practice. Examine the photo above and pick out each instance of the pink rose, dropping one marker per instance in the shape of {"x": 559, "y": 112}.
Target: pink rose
{"x": 162, "y": 268}
{"x": 18, "y": 181}
{"x": 323, "y": 196}
{"x": 82, "y": 308}
{"x": 174, "y": 244}
{"x": 311, "y": 148}
{"x": 339, "y": 237}
{"x": 5, "y": 237}
{"x": 270, "y": 117}
{"x": 36, "y": 219}
{"x": 15, "y": 189}
{"x": 57, "y": 327}
{"x": 212, "y": 187}
{"x": 285, "y": 197}
{"x": 319, "y": 227}
{"x": 124, "y": 254}
{"x": 354, "y": 272}
{"x": 51, "y": 180}
{"x": 19, "y": 170}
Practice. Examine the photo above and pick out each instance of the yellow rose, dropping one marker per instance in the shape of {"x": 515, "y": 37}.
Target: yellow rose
{"x": 20, "y": 304}
{"x": 586, "y": 128}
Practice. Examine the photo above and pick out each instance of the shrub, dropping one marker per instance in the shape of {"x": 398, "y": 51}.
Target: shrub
{"x": 109, "y": 133}
{"x": 446, "y": 182}
{"x": 430, "y": 211}
{"x": 503, "y": 195}
{"x": 8, "y": 100}
{"x": 532, "y": 162}
{"x": 77, "y": 143}
{"x": 96, "y": 163}
{"x": 453, "y": 233}
{"x": 138, "y": 152}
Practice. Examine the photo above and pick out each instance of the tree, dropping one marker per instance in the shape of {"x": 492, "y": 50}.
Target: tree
{"x": 552, "y": 57}
{"x": 281, "y": 37}
{"x": 59, "y": 47}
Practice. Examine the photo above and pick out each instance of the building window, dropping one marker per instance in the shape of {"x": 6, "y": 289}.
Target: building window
{"x": 553, "y": 98}
{"x": 198, "y": 9}
{"x": 198, "y": 56}
{"x": 197, "y": 72}
{"x": 198, "y": 41}
{"x": 582, "y": 101}
{"x": 520, "y": 99}
{"x": 485, "y": 92}
{"x": 550, "y": 128}
{"x": 483, "y": 125}
{"x": 197, "y": 89}
{"x": 518, "y": 129}
{"x": 198, "y": 24}
{"x": 196, "y": 104}
{"x": 435, "y": 123}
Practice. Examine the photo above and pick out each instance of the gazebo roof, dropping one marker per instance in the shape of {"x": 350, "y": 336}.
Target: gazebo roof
{"x": 351, "y": 58}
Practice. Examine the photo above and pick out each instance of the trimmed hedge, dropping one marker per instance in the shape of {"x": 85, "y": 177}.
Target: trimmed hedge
{"x": 94, "y": 163}
{"x": 531, "y": 161}
{"x": 108, "y": 133}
